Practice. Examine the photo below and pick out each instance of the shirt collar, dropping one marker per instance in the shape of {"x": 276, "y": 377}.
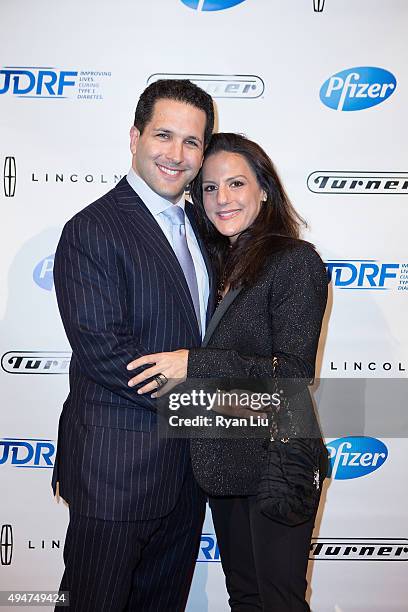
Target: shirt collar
{"x": 154, "y": 202}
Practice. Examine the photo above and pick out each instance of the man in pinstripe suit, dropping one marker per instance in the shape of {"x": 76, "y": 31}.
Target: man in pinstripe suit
{"x": 135, "y": 510}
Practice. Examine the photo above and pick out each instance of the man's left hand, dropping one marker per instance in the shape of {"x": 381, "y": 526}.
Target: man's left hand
{"x": 173, "y": 365}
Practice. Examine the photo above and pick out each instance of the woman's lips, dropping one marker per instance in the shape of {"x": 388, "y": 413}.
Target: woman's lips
{"x": 228, "y": 214}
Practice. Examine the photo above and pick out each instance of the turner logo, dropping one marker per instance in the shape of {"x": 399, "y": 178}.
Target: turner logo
{"x": 41, "y": 82}
{"x": 211, "y": 5}
{"x": 208, "y": 552}
{"x": 355, "y": 456}
{"x": 6, "y": 544}
{"x": 35, "y": 362}
{"x": 9, "y": 176}
{"x": 43, "y": 273}
{"x": 364, "y": 183}
{"x": 220, "y": 85}
{"x": 367, "y": 274}
{"x": 359, "y": 549}
{"x": 27, "y": 452}
{"x": 357, "y": 88}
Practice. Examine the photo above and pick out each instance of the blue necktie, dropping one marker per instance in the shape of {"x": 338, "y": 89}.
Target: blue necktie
{"x": 177, "y": 217}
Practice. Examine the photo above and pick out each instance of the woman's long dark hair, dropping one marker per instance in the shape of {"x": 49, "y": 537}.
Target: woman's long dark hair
{"x": 276, "y": 226}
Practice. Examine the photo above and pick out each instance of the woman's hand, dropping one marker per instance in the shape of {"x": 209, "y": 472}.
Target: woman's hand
{"x": 173, "y": 365}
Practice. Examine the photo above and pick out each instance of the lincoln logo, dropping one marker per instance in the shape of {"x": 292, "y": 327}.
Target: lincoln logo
{"x": 318, "y": 6}
{"x": 9, "y": 177}
{"x": 6, "y": 544}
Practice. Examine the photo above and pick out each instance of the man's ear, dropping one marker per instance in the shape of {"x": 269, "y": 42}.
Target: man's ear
{"x": 134, "y": 138}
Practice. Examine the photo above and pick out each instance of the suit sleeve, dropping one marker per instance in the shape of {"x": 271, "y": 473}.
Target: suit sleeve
{"x": 297, "y": 301}
{"x": 91, "y": 294}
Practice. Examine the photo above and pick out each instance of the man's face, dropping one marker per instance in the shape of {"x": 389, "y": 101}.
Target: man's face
{"x": 169, "y": 152}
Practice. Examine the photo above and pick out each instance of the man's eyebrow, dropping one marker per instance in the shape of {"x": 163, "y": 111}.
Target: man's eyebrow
{"x": 166, "y": 131}
{"x": 160, "y": 129}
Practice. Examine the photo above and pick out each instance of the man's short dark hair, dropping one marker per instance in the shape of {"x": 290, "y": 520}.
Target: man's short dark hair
{"x": 181, "y": 90}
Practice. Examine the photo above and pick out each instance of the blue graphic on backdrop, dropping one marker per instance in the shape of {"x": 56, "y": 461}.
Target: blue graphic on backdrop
{"x": 52, "y": 83}
{"x": 208, "y": 552}
{"x": 27, "y": 452}
{"x": 366, "y": 274}
{"x": 33, "y": 81}
{"x": 355, "y": 457}
{"x": 357, "y": 88}
{"x": 43, "y": 273}
{"x": 211, "y": 5}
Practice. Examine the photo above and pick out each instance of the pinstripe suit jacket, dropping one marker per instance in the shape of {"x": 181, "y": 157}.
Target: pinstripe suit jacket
{"x": 121, "y": 294}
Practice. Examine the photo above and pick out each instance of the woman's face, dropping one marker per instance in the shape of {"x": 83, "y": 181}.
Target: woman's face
{"x": 231, "y": 194}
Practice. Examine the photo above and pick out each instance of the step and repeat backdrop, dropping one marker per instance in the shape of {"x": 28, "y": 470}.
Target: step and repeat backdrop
{"x": 323, "y": 87}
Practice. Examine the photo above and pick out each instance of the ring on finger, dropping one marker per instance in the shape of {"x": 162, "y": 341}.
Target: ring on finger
{"x": 161, "y": 380}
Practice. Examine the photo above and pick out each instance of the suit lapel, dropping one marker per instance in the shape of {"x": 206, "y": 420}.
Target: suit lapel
{"x": 223, "y": 306}
{"x": 150, "y": 233}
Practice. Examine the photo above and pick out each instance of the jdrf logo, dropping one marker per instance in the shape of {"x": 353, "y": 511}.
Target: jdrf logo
{"x": 357, "y": 88}
{"x": 208, "y": 552}
{"x": 33, "y": 82}
{"x": 211, "y": 5}
{"x": 361, "y": 273}
{"x": 355, "y": 456}
{"x": 27, "y": 452}
{"x": 43, "y": 273}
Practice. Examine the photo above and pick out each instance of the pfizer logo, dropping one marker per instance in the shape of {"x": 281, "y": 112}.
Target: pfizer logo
{"x": 355, "y": 456}
{"x": 211, "y": 5}
{"x": 357, "y": 88}
{"x": 43, "y": 273}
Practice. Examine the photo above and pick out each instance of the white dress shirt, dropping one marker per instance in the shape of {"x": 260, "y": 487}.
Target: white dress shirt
{"x": 157, "y": 205}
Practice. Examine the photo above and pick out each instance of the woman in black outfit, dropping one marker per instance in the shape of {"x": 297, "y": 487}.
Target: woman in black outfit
{"x": 273, "y": 291}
